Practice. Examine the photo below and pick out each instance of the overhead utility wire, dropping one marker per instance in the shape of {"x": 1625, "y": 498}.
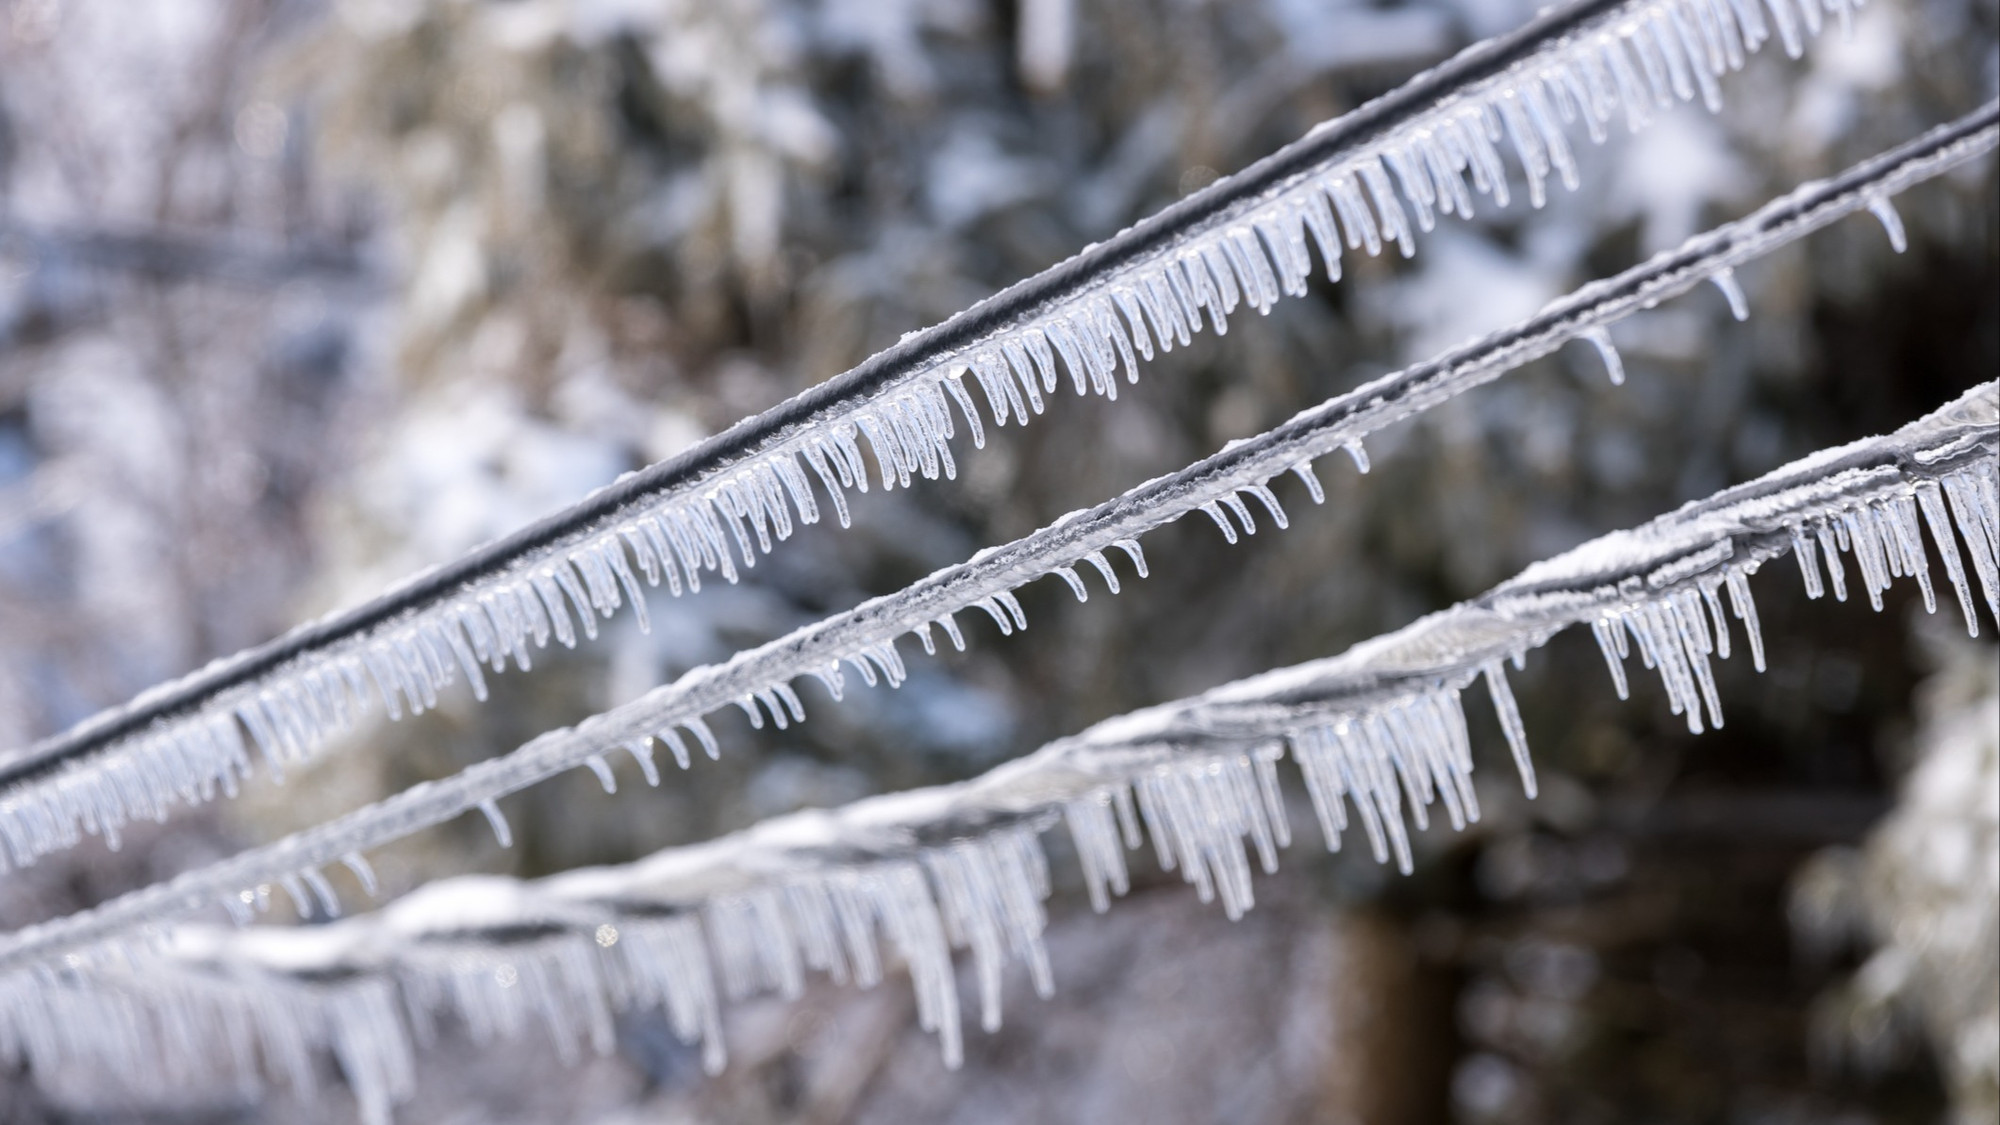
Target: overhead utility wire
{"x": 867, "y": 633}
{"x": 1726, "y": 30}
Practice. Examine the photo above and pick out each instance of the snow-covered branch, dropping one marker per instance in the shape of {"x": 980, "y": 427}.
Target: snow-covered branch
{"x": 758, "y": 680}
{"x": 913, "y": 876}
{"x": 1367, "y": 180}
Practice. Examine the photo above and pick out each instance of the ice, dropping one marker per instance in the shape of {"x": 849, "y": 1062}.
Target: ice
{"x": 866, "y": 635}
{"x": 1634, "y": 59}
{"x": 1892, "y": 223}
{"x": 1614, "y": 368}
{"x": 1732, "y": 291}
{"x": 1510, "y": 722}
{"x": 498, "y": 822}
{"x": 913, "y": 878}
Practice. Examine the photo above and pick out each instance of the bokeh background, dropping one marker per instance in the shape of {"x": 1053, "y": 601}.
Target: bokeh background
{"x": 299, "y": 296}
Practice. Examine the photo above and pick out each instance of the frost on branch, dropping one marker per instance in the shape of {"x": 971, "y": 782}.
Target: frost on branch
{"x": 912, "y": 877}
{"x": 1141, "y": 292}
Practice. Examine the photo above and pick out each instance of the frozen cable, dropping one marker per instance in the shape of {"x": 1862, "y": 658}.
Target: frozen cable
{"x": 1379, "y": 730}
{"x": 1369, "y": 179}
{"x": 865, "y": 637}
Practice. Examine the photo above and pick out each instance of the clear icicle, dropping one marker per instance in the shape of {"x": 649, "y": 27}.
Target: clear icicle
{"x": 1614, "y": 367}
{"x": 496, "y": 820}
{"x": 1732, "y": 291}
{"x": 1892, "y": 223}
{"x": 1510, "y": 723}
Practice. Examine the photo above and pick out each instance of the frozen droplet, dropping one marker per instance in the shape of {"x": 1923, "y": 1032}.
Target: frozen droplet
{"x": 1358, "y": 453}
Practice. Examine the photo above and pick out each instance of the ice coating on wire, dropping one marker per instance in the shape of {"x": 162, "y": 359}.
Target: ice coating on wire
{"x": 1611, "y": 61}
{"x": 865, "y": 637}
{"x": 911, "y": 877}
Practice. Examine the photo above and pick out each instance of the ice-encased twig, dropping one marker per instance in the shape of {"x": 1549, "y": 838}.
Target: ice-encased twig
{"x": 960, "y": 866}
{"x": 758, "y": 680}
{"x": 1426, "y": 148}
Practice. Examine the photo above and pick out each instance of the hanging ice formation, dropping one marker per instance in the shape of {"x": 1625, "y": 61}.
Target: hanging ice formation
{"x": 1356, "y": 181}
{"x": 865, "y": 638}
{"x": 1378, "y": 730}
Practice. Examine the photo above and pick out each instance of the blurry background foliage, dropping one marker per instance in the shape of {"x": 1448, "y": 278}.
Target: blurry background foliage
{"x": 297, "y": 297}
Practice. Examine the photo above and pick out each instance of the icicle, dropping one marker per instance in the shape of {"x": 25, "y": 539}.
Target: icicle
{"x": 1097, "y": 851}
{"x": 641, "y": 750}
{"x": 295, "y": 889}
{"x": 1235, "y": 504}
{"x": 1614, "y": 367}
{"x": 1262, "y": 491}
{"x": 704, "y": 736}
{"x": 1976, "y": 517}
{"x": 1732, "y": 291}
{"x": 1103, "y": 565}
{"x": 1930, "y": 500}
{"x": 1603, "y": 631}
{"x": 329, "y": 903}
{"x": 1829, "y": 546}
{"x": 1214, "y": 511}
{"x": 1131, "y": 549}
{"x": 1358, "y": 453}
{"x": 1802, "y": 551}
{"x": 1746, "y": 612}
{"x": 363, "y": 873}
{"x": 1075, "y": 583}
{"x": 950, "y": 626}
{"x": 676, "y": 745}
{"x": 1304, "y": 471}
{"x": 1885, "y": 211}
{"x": 1510, "y": 722}
{"x": 498, "y": 823}
{"x": 602, "y": 769}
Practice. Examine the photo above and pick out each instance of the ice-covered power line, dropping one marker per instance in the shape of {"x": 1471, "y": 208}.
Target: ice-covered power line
{"x": 758, "y": 680}
{"x": 911, "y": 877}
{"x": 1364, "y": 181}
